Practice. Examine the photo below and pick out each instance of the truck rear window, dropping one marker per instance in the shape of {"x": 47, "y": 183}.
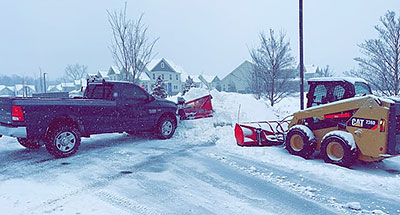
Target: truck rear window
{"x": 101, "y": 92}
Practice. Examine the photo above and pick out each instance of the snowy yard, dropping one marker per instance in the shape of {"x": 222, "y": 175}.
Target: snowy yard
{"x": 200, "y": 170}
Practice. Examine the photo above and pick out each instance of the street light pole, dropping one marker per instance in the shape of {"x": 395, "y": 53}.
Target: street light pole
{"x": 301, "y": 54}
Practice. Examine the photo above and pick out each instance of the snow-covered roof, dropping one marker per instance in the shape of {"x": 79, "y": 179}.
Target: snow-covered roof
{"x": 209, "y": 78}
{"x": 57, "y": 87}
{"x": 144, "y": 77}
{"x": 69, "y": 84}
{"x": 173, "y": 65}
{"x": 103, "y": 73}
{"x": 18, "y": 87}
{"x": 2, "y": 87}
{"x": 310, "y": 69}
{"x": 184, "y": 77}
{"x": 348, "y": 79}
{"x": 115, "y": 69}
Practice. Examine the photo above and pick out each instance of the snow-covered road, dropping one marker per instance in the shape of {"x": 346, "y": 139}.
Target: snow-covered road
{"x": 200, "y": 170}
{"x": 121, "y": 174}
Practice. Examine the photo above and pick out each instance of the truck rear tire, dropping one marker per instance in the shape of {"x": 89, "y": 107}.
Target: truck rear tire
{"x": 299, "y": 143}
{"x": 165, "y": 127}
{"x": 29, "y": 143}
{"x": 335, "y": 149}
{"x": 63, "y": 141}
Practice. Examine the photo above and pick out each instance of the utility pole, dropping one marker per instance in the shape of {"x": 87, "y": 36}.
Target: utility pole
{"x": 301, "y": 54}
{"x": 44, "y": 81}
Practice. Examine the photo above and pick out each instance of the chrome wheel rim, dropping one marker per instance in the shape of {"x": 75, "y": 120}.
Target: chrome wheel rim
{"x": 166, "y": 128}
{"x": 65, "y": 141}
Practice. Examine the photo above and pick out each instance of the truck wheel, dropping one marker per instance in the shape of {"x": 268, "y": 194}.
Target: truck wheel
{"x": 63, "y": 141}
{"x": 337, "y": 150}
{"x": 28, "y": 143}
{"x": 300, "y": 142}
{"x": 166, "y": 127}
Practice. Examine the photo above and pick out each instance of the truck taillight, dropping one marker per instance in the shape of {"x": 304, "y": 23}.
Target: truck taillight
{"x": 382, "y": 125}
{"x": 17, "y": 114}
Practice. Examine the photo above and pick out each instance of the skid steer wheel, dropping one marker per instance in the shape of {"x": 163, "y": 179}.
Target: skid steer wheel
{"x": 336, "y": 150}
{"x": 299, "y": 143}
{"x": 165, "y": 127}
{"x": 29, "y": 143}
{"x": 63, "y": 141}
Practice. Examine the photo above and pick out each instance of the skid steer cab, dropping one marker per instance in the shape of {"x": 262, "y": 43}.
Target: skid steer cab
{"x": 343, "y": 121}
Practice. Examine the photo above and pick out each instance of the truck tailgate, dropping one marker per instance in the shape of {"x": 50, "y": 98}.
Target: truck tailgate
{"x": 5, "y": 110}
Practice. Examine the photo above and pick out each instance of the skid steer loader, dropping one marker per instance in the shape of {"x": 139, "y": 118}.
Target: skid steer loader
{"x": 343, "y": 121}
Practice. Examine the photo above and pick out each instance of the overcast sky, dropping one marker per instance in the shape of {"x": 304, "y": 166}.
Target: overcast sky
{"x": 203, "y": 37}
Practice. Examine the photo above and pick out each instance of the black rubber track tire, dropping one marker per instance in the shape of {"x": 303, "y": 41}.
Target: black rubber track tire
{"x": 28, "y": 143}
{"x": 51, "y": 144}
{"x": 159, "y": 128}
{"x": 349, "y": 156}
{"x": 308, "y": 147}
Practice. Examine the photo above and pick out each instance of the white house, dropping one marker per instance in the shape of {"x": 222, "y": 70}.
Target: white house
{"x": 169, "y": 72}
{"x": 24, "y": 90}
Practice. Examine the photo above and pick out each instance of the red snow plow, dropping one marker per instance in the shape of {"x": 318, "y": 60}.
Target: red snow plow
{"x": 265, "y": 133}
{"x": 195, "y": 109}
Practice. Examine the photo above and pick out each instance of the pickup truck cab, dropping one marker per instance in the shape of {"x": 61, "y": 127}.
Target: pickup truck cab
{"x": 106, "y": 107}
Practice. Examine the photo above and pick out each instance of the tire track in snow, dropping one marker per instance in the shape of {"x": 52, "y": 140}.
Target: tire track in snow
{"x": 104, "y": 181}
{"x": 317, "y": 190}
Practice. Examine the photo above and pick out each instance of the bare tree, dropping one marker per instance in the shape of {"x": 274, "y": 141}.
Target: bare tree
{"x": 75, "y": 72}
{"x": 380, "y": 64}
{"x": 325, "y": 71}
{"x": 131, "y": 49}
{"x": 273, "y": 65}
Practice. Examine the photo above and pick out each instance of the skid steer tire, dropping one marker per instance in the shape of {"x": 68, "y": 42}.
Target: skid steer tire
{"x": 337, "y": 150}
{"x": 63, "y": 141}
{"x": 28, "y": 143}
{"x": 299, "y": 142}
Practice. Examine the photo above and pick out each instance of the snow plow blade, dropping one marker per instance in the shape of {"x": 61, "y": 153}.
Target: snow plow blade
{"x": 266, "y": 133}
{"x": 195, "y": 109}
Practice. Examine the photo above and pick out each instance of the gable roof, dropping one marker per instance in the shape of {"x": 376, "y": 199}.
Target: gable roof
{"x": 155, "y": 65}
{"x": 144, "y": 76}
{"x": 242, "y": 71}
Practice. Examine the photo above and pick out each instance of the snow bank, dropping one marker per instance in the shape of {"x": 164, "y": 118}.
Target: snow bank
{"x": 219, "y": 130}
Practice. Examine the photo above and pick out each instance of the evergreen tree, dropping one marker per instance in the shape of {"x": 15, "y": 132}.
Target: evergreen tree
{"x": 159, "y": 89}
{"x": 189, "y": 83}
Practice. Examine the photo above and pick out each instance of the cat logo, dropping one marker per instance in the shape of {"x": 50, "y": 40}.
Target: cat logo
{"x": 357, "y": 122}
{"x": 363, "y": 123}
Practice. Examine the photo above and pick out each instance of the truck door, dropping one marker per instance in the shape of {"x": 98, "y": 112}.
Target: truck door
{"x": 132, "y": 108}
{"x": 100, "y": 116}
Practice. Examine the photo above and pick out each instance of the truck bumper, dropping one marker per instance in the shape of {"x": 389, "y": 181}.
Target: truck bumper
{"x": 13, "y": 131}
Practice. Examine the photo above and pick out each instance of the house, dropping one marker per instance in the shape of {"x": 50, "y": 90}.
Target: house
{"x": 54, "y": 88}
{"x": 211, "y": 81}
{"x": 238, "y": 80}
{"x": 24, "y": 90}
{"x": 169, "y": 72}
{"x": 7, "y": 90}
{"x": 70, "y": 86}
{"x": 114, "y": 74}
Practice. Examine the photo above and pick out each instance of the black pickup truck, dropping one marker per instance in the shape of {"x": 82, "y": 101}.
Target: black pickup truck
{"x": 106, "y": 107}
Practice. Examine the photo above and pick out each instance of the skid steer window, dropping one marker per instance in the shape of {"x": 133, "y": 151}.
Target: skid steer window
{"x": 338, "y": 93}
{"x": 319, "y": 96}
{"x": 361, "y": 89}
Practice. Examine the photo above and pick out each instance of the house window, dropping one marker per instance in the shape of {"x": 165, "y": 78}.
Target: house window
{"x": 154, "y": 76}
{"x": 176, "y": 77}
{"x": 162, "y": 64}
{"x": 162, "y": 76}
{"x": 170, "y": 77}
{"x": 175, "y": 87}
